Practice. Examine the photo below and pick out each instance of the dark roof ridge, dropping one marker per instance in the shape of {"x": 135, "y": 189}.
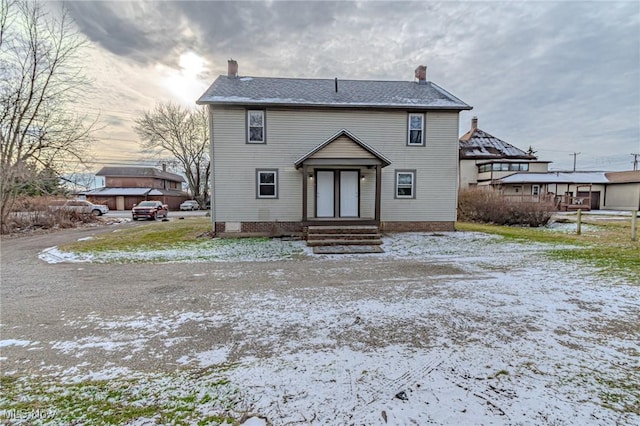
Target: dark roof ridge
{"x": 327, "y": 79}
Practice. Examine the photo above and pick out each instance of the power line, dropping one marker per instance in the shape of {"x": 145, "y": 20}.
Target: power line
{"x": 635, "y": 161}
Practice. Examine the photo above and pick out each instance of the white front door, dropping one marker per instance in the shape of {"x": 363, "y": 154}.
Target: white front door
{"x": 324, "y": 194}
{"x": 349, "y": 193}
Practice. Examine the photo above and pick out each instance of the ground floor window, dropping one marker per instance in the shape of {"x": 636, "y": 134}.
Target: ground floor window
{"x": 266, "y": 183}
{"x": 405, "y": 184}
{"x": 535, "y": 190}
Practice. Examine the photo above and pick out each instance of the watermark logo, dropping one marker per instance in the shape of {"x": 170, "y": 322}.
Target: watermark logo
{"x": 28, "y": 414}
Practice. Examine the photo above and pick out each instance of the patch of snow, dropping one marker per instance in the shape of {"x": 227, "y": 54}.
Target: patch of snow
{"x": 254, "y": 421}
{"x": 568, "y": 227}
{"x": 86, "y": 239}
{"x": 54, "y": 255}
{"x": 14, "y": 342}
{"x": 471, "y": 329}
{"x": 105, "y": 374}
{"x": 213, "y": 357}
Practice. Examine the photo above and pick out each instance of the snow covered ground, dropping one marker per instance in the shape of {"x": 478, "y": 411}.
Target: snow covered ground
{"x": 475, "y": 330}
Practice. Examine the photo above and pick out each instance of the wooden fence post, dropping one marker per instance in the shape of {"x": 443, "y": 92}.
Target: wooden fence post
{"x": 634, "y": 225}
{"x": 579, "y": 225}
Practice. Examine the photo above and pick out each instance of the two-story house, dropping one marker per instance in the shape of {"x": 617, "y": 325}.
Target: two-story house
{"x": 295, "y": 152}
{"x": 127, "y": 186}
{"x": 485, "y": 159}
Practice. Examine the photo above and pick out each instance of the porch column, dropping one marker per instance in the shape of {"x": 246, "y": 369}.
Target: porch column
{"x": 378, "y": 191}
{"x": 304, "y": 193}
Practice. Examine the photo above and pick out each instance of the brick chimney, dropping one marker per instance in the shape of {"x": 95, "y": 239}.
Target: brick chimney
{"x": 474, "y": 123}
{"x": 232, "y": 68}
{"x": 421, "y": 74}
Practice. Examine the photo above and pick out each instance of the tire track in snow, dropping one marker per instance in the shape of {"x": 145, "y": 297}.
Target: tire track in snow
{"x": 385, "y": 390}
{"x": 496, "y": 399}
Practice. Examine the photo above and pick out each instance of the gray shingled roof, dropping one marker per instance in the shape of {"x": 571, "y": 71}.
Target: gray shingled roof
{"x": 478, "y": 144}
{"x": 140, "y": 192}
{"x": 264, "y": 91}
{"x": 139, "y": 172}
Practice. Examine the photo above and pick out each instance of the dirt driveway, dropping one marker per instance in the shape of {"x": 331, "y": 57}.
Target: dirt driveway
{"x": 444, "y": 328}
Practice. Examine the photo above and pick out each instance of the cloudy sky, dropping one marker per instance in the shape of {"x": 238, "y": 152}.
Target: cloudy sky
{"x": 560, "y": 76}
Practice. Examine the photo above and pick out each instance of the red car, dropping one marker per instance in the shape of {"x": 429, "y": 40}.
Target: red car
{"x": 150, "y": 210}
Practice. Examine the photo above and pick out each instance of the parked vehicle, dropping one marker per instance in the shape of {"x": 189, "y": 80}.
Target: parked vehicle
{"x": 79, "y": 206}
{"x": 150, "y": 210}
{"x": 190, "y": 205}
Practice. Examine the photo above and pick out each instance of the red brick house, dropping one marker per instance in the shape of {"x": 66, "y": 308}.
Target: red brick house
{"x": 126, "y": 186}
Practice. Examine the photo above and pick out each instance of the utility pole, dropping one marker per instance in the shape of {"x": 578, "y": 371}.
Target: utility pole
{"x": 635, "y": 161}
{"x": 575, "y": 154}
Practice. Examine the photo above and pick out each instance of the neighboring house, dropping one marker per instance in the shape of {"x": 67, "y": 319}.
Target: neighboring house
{"x": 578, "y": 190}
{"x": 485, "y": 158}
{"x": 127, "y": 186}
{"x": 486, "y": 161}
{"x": 623, "y": 190}
{"x": 294, "y": 152}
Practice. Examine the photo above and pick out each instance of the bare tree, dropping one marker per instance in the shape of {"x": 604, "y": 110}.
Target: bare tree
{"x": 40, "y": 75}
{"x": 184, "y": 133}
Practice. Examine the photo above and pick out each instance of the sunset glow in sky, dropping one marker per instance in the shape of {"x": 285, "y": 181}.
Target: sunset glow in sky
{"x": 560, "y": 76}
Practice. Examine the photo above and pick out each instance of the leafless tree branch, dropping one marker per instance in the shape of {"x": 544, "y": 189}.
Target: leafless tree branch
{"x": 184, "y": 134}
{"x": 40, "y": 75}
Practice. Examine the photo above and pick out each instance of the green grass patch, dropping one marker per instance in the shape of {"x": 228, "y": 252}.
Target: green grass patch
{"x": 618, "y": 392}
{"x": 174, "y": 399}
{"x": 156, "y": 235}
{"x": 606, "y": 245}
{"x": 177, "y": 241}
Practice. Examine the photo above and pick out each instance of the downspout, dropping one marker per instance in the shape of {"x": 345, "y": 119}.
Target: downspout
{"x": 212, "y": 204}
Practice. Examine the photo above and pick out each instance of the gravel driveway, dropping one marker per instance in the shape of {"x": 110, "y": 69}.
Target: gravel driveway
{"x": 464, "y": 328}
{"x": 40, "y": 301}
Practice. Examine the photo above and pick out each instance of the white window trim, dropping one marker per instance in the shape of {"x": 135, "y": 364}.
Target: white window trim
{"x": 413, "y": 184}
{"x": 533, "y": 190}
{"x": 264, "y": 126}
{"x": 275, "y": 183}
{"x": 422, "y": 129}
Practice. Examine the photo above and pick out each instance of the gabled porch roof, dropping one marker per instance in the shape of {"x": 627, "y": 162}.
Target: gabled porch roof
{"x": 369, "y": 156}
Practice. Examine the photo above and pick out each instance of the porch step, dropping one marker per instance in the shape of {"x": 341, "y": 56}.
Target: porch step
{"x": 347, "y": 249}
{"x": 343, "y": 236}
{"x": 334, "y": 229}
{"x": 368, "y": 236}
{"x": 343, "y": 242}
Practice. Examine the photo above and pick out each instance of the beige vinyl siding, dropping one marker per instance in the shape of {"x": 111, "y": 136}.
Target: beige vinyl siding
{"x": 623, "y": 196}
{"x": 292, "y": 133}
{"x": 343, "y": 147}
{"x": 468, "y": 173}
{"x": 538, "y": 167}
{"x": 436, "y": 173}
{"x": 368, "y": 193}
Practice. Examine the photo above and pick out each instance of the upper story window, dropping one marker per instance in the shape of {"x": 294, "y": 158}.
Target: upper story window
{"x": 503, "y": 167}
{"x": 256, "y": 129}
{"x": 267, "y": 183}
{"x": 405, "y": 184}
{"x": 415, "y": 134}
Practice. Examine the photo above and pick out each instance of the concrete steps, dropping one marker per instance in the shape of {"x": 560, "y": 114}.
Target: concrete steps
{"x": 332, "y": 239}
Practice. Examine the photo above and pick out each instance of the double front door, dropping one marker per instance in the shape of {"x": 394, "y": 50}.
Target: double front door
{"x": 337, "y": 193}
